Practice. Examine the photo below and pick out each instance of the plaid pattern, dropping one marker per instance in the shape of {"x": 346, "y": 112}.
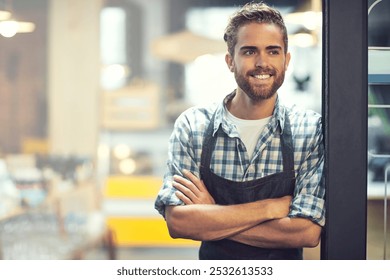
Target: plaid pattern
{"x": 231, "y": 161}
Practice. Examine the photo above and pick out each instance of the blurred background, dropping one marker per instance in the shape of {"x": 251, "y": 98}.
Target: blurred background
{"x": 89, "y": 91}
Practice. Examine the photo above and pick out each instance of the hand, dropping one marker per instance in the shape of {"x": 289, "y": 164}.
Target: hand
{"x": 191, "y": 190}
{"x": 279, "y": 207}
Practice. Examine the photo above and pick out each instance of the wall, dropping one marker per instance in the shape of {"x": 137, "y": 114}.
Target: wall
{"x": 73, "y": 75}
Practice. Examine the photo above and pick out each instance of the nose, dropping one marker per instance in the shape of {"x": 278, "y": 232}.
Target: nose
{"x": 261, "y": 60}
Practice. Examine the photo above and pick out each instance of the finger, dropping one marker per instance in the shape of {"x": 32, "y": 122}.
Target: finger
{"x": 190, "y": 176}
{"x": 187, "y": 183}
{"x": 183, "y": 198}
{"x": 195, "y": 180}
{"x": 184, "y": 190}
{"x": 202, "y": 186}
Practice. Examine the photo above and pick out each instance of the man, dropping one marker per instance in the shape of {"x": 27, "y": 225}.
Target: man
{"x": 245, "y": 176}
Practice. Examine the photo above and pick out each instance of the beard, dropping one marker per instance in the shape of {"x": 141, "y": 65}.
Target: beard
{"x": 259, "y": 92}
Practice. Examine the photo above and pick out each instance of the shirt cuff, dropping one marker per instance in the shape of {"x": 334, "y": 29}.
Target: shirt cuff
{"x": 309, "y": 207}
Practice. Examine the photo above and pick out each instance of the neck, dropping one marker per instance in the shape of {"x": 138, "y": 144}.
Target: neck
{"x": 245, "y": 108}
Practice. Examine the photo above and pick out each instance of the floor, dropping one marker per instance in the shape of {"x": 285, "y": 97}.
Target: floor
{"x": 376, "y": 237}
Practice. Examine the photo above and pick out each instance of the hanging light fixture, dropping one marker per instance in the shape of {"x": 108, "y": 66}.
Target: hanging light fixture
{"x": 4, "y": 15}
{"x": 9, "y": 26}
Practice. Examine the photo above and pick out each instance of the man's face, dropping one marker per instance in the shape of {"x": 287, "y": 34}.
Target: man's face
{"x": 259, "y": 61}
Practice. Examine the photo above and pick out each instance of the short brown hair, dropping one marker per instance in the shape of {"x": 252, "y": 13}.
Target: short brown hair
{"x": 253, "y": 12}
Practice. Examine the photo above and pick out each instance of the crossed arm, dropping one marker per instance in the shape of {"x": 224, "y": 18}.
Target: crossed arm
{"x": 262, "y": 223}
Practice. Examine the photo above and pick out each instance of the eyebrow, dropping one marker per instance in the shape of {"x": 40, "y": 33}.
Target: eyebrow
{"x": 246, "y": 48}
{"x": 271, "y": 47}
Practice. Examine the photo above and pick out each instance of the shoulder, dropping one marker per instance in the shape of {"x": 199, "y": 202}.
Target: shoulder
{"x": 306, "y": 128}
{"x": 307, "y": 134}
{"x": 196, "y": 118}
{"x": 303, "y": 119}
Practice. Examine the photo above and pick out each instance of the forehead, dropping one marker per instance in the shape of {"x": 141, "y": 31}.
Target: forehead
{"x": 259, "y": 34}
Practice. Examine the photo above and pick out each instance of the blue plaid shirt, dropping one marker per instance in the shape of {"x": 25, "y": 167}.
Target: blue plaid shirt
{"x": 231, "y": 161}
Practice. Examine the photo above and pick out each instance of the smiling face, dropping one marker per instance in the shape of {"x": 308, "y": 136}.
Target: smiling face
{"x": 259, "y": 61}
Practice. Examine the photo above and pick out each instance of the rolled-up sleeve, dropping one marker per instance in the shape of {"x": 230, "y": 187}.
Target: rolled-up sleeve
{"x": 180, "y": 156}
{"x": 308, "y": 201}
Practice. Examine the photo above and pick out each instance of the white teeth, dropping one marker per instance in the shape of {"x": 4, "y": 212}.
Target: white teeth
{"x": 262, "y": 77}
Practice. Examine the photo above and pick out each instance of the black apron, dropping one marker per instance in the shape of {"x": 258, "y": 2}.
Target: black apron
{"x": 232, "y": 192}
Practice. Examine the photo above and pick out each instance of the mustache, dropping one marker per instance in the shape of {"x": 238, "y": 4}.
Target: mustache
{"x": 262, "y": 71}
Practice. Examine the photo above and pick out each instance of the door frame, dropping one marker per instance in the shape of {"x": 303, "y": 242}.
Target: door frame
{"x": 345, "y": 106}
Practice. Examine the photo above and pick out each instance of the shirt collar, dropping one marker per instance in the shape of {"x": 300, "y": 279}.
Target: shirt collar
{"x": 278, "y": 117}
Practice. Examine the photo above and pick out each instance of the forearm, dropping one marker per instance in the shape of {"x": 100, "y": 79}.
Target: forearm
{"x": 281, "y": 233}
{"x": 214, "y": 222}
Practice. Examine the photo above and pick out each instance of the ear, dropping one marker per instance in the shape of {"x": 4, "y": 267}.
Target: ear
{"x": 229, "y": 61}
{"x": 288, "y": 57}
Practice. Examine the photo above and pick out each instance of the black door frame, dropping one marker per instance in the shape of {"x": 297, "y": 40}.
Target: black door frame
{"x": 345, "y": 84}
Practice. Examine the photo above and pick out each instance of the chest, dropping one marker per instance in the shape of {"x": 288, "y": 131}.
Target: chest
{"x": 230, "y": 159}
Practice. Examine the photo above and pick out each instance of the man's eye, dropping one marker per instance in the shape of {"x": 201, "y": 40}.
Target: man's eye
{"x": 249, "y": 52}
{"x": 274, "y": 52}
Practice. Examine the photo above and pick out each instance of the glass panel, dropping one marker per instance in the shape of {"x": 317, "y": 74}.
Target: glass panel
{"x": 378, "y": 129}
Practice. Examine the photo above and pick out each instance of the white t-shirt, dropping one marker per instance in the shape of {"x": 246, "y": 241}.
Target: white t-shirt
{"x": 249, "y": 130}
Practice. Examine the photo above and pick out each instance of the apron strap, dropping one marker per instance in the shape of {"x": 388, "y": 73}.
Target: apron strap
{"x": 207, "y": 148}
{"x": 285, "y": 141}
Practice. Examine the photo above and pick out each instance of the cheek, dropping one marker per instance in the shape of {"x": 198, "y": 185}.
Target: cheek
{"x": 239, "y": 67}
{"x": 282, "y": 67}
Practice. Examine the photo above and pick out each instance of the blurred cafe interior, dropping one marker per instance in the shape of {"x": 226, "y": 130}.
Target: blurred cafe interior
{"x": 89, "y": 92}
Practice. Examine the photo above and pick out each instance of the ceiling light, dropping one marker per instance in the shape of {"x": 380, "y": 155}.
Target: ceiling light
{"x": 8, "y": 28}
